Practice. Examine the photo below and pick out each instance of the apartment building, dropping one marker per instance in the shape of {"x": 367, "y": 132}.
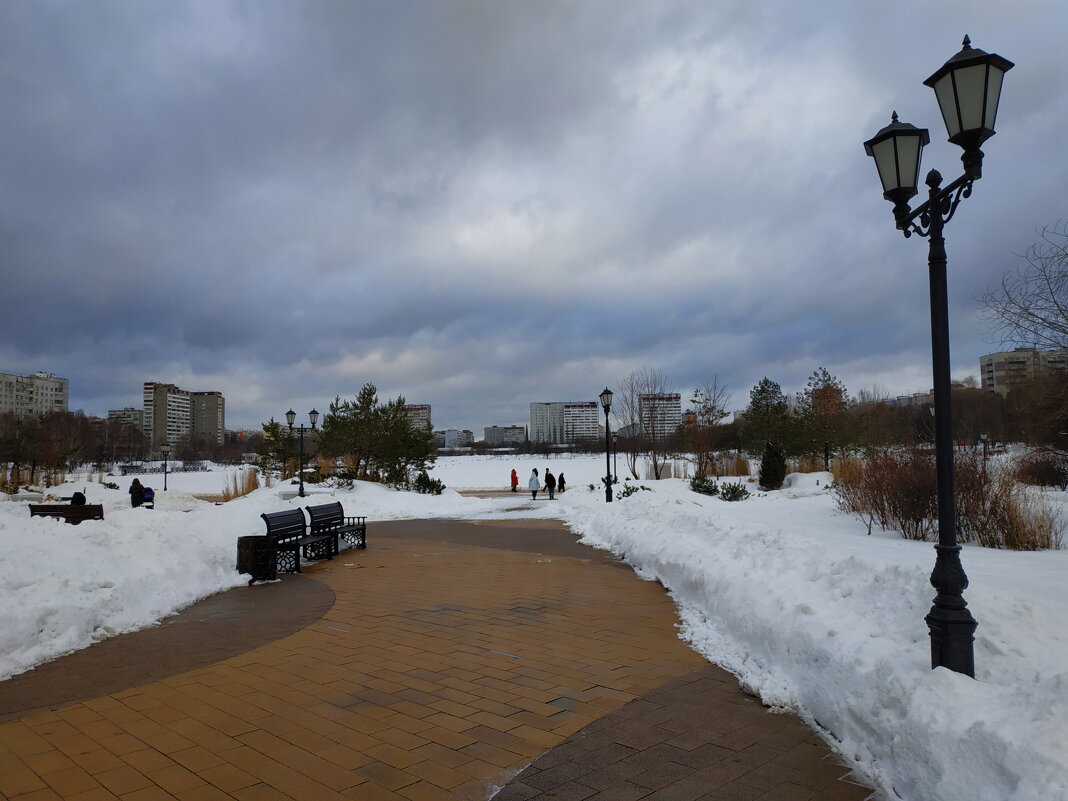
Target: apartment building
{"x": 1001, "y": 372}
{"x": 175, "y": 415}
{"x": 207, "y": 416}
{"x": 128, "y": 416}
{"x": 581, "y": 420}
{"x": 419, "y": 414}
{"x": 661, "y": 413}
{"x": 504, "y": 435}
{"x": 559, "y": 422}
{"x": 33, "y": 395}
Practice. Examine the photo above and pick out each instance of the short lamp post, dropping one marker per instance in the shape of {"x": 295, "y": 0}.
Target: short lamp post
{"x": 983, "y": 439}
{"x": 615, "y": 456}
{"x": 165, "y": 449}
{"x": 606, "y": 404}
{"x": 313, "y": 416}
{"x": 968, "y": 88}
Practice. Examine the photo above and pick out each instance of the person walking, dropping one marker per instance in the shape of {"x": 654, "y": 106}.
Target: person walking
{"x": 137, "y": 493}
{"x": 515, "y": 479}
{"x": 534, "y": 484}
{"x": 550, "y": 484}
{"x": 560, "y": 484}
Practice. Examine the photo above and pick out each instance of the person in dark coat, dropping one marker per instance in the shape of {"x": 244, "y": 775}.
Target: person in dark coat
{"x": 515, "y": 480}
{"x": 137, "y": 493}
{"x": 560, "y": 484}
{"x": 550, "y": 484}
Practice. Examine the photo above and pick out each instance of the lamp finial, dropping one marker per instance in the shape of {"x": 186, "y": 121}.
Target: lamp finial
{"x": 967, "y": 42}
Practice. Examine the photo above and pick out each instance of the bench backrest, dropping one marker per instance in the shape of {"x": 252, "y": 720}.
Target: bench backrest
{"x": 326, "y": 516}
{"x": 284, "y": 526}
{"x": 89, "y": 511}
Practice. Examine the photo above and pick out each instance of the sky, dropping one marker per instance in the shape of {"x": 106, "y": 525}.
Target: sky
{"x": 478, "y": 205}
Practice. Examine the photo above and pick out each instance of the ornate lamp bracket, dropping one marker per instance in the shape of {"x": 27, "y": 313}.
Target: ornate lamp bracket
{"x": 939, "y": 208}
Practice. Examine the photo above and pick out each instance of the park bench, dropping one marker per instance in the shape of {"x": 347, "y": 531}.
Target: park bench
{"x": 329, "y": 518}
{"x": 288, "y": 539}
{"x": 72, "y": 514}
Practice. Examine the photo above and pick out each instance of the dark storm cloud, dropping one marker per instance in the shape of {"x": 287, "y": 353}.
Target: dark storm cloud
{"x": 483, "y": 204}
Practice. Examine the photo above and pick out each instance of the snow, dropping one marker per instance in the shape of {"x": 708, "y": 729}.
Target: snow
{"x": 792, "y": 596}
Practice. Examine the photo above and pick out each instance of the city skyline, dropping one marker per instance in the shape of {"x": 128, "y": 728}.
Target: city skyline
{"x": 477, "y": 206}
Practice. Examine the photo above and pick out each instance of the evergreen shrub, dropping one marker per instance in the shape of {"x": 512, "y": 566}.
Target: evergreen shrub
{"x": 772, "y": 467}
{"x": 706, "y": 485}
{"x": 733, "y": 492}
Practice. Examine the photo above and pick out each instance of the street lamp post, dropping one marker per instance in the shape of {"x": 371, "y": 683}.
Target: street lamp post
{"x": 968, "y": 88}
{"x": 165, "y": 449}
{"x": 290, "y": 417}
{"x": 606, "y": 404}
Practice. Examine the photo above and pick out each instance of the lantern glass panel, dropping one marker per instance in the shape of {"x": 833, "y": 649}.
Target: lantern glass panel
{"x": 971, "y": 95}
{"x": 947, "y": 102}
{"x": 993, "y": 96}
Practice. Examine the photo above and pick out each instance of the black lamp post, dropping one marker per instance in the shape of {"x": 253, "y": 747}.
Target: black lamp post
{"x": 615, "y": 456}
{"x": 165, "y": 449}
{"x": 290, "y": 417}
{"x": 606, "y": 404}
{"x": 968, "y": 88}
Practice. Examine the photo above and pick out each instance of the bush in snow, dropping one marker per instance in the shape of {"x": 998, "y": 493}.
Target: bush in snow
{"x": 426, "y": 485}
{"x": 706, "y": 485}
{"x": 733, "y": 492}
{"x": 896, "y": 489}
{"x": 1042, "y": 468}
{"x": 630, "y": 489}
{"x": 772, "y": 467}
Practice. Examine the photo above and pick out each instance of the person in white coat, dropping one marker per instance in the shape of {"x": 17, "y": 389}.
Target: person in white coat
{"x": 534, "y": 484}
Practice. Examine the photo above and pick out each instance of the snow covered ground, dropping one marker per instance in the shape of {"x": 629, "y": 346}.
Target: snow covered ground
{"x": 783, "y": 590}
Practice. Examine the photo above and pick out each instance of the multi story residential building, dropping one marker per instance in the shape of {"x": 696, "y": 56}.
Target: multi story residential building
{"x": 454, "y": 438}
{"x": 207, "y": 416}
{"x": 580, "y": 421}
{"x": 166, "y": 415}
{"x": 1001, "y": 372}
{"x": 505, "y": 435}
{"x": 661, "y": 414}
{"x": 33, "y": 395}
{"x": 547, "y": 422}
{"x": 559, "y": 422}
{"x": 419, "y": 414}
{"x": 177, "y": 415}
{"x": 128, "y": 416}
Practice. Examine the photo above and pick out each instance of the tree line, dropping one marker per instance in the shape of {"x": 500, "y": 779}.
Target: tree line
{"x": 359, "y": 439}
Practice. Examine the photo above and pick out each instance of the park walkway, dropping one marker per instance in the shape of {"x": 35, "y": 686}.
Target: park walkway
{"x": 449, "y": 660}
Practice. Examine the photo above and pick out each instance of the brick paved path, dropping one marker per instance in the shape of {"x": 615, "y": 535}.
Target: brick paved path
{"x": 454, "y": 656}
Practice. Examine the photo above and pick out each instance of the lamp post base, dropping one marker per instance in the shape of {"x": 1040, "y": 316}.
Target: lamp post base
{"x": 951, "y": 625}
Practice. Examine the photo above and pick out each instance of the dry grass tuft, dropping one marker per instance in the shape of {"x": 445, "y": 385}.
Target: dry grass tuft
{"x": 236, "y": 487}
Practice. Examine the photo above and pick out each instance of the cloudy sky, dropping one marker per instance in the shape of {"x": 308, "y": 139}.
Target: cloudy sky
{"x": 482, "y": 204}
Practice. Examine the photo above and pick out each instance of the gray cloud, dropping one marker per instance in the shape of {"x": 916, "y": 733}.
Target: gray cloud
{"x": 482, "y": 204}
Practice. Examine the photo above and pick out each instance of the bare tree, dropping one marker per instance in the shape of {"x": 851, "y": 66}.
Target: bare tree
{"x": 637, "y": 419}
{"x": 1030, "y": 308}
{"x": 708, "y": 404}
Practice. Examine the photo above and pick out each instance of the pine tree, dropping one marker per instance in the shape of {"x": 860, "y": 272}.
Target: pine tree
{"x": 767, "y": 416}
{"x": 772, "y": 467}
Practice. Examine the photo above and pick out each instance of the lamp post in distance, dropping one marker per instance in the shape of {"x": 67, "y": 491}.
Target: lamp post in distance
{"x": 165, "y": 449}
{"x": 968, "y": 88}
{"x": 606, "y": 404}
{"x": 313, "y": 416}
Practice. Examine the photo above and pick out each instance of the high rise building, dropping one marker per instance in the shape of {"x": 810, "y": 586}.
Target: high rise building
{"x": 661, "y": 414}
{"x": 419, "y": 414}
{"x": 559, "y": 422}
{"x": 207, "y": 413}
{"x": 1000, "y": 372}
{"x": 33, "y": 395}
{"x": 166, "y": 415}
{"x": 505, "y": 435}
{"x": 580, "y": 421}
{"x": 128, "y": 416}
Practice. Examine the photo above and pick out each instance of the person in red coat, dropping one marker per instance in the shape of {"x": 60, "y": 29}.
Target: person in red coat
{"x": 515, "y": 480}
